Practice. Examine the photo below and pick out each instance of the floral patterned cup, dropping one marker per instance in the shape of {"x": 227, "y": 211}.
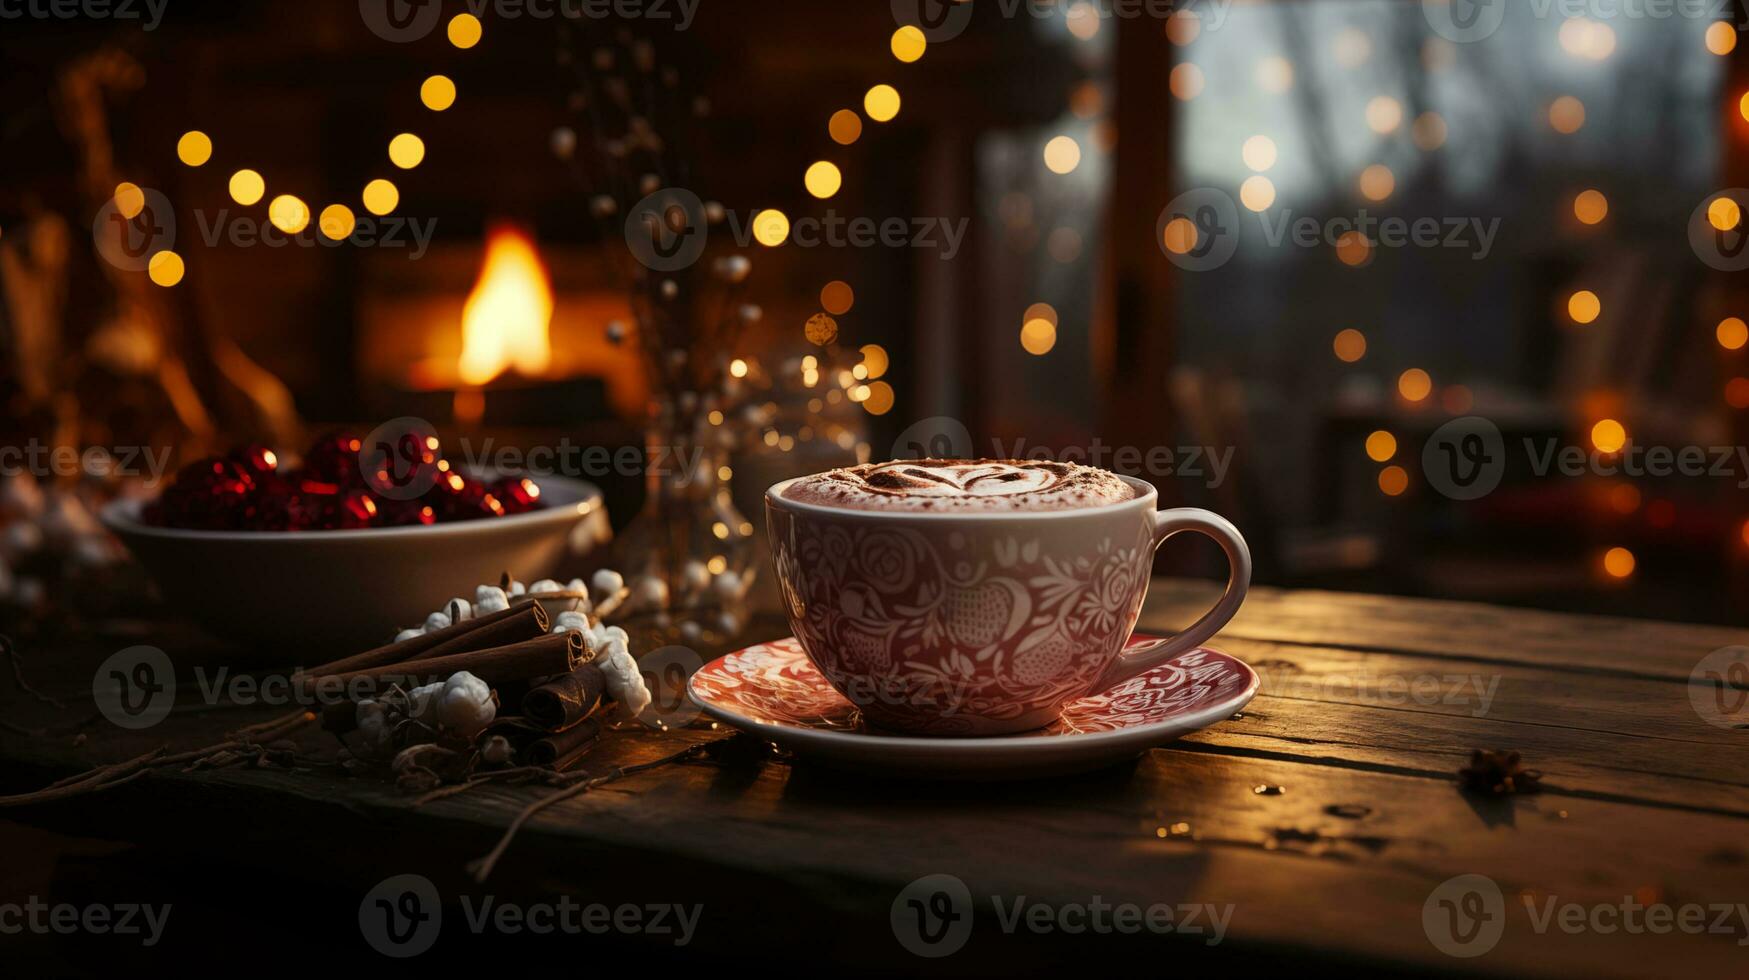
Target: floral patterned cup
{"x": 982, "y": 623}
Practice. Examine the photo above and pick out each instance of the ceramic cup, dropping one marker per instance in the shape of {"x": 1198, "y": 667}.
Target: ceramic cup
{"x": 982, "y": 624}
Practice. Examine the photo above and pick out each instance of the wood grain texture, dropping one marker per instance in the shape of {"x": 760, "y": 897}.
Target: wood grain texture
{"x": 1369, "y": 705}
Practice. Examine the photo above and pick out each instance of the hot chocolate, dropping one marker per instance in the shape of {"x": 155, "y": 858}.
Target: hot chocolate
{"x": 994, "y": 486}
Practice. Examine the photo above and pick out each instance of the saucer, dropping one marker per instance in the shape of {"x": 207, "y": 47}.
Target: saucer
{"x": 773, "y": 691}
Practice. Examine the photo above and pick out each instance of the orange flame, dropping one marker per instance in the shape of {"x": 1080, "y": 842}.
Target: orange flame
{"x": 505, "y": 321}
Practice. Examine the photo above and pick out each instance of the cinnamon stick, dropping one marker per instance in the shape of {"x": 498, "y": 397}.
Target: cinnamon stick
{"x": 565, "y": 700}
{"x": 551, "y": 653}
{"x": 561, "y": 750}
{"x": 529, "y": 619}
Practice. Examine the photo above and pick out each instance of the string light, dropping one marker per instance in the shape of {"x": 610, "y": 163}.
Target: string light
{"x": 129, "y": 199}
{"x": 336, "y": 221}
{"x": 845, "y": 127}
{"x": 288, "y": 214}
{"x": 1257, "y": 192}
{"x": 881, "y": 103}
{"x": 1721, "y": 37}
{"x": 194, "y": 148}
{"x": 771, "y": 227}
{"x": 1590, "y": 207}
{"x": 909, "y": 44}
{"x": 1415, "y": 385}
{"x": 1349, "y": 345}
{"x": 165, "y": 268}
{"x": 464, "y": 30}
{"x": 247, "y": 187}
{"x": 823, "y": 179}
{"x": 1733, "y": 333}
{"x": 1384, "y": 114}
{"x": 1038, "y": 336}
{"x": 437, "y": 92}
{"x": 837, "y": 298}
{"x": 1393, "y": 481}
{"x": 1062, "y": 155}
{"x": 1377, "y": 182}
{"x": 406, "y": 151}
{"x": 381, "y": 197}
{"x": 1619, "y": 563}
{"x": 1609, "y": 436}
{"x": 1584, "y": 306}
{"x": 1381, "y": 446}
{"x": 1258, "y": 153}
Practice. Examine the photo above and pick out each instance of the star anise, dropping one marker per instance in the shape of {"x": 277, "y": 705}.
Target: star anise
{"x": 1499, "y": 774}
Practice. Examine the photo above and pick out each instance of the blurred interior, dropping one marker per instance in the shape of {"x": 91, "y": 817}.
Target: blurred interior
{"x": 1059, "y": 320}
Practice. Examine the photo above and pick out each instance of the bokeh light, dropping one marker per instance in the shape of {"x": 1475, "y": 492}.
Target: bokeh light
{"x": 464, "y": 30}
{"x": 1377, "y": 182}
{"x": 165, "y": 268}
{"x": 1186, "y": 82}
{"x": 288, "y": 214}
{"x": 909, "y": 44}
{"x": 1619, "y": 563}
{"x": 881, "y": 103}
{"x": 1257, "y": 192}
{"x": 1609, "y": 436}
{"x": 1566, "y": 114}
{"x": 1349, "y": 345}
{"x": 1428, "y": 131}
{"x": 1062, "y": 155}
{"x": 1723, "y": 213}
{"x": 406, "y": 151}
{"x": 1733, "y": 333}
{"x": 1590, "y": 206}
{"x": 1384, "y": 114}
{"x": 336, "y": 221}
{"x": 1721, "y": 37}
{"x": 1180, "y": 236}
{"x": 1038, "y": 336}
{"x": 1393, "y": 481}
{"x": 845, "y": 126}
{"x": 194, "y": 148}
{"x": 1182, "y": 27}
{"x": 1584, "y": 306}
{"x": 837, "y": 298}
{"x": 771, "y": 227}
{"x": 437, "y": 93}
{"x": 1381, "y": 446}
{"x": 823, "y": 179}
{"x": 1415, "y": 385}
{"x": 1258, "y": 153}
{"x": 1275, "y": 75}
{"x": 381, "y": 196}
{"x": 129, "y": 199}
{"x": 247, "y": 187}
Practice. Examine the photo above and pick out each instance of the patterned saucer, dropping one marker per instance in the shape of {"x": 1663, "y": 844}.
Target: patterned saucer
{"x": 772, "y": 690}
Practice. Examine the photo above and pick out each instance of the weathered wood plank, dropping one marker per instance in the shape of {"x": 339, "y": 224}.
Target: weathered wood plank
{"x": 1464, "y": 629}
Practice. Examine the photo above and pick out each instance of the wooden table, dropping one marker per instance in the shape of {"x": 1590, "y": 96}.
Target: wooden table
{"x": 1325, "y": 820}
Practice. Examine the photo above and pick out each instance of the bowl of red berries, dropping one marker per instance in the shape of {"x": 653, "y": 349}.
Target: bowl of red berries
{"x": 343, "y": 546}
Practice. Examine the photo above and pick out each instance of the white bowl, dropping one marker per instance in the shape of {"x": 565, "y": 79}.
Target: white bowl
{"x": 323, "y": 594}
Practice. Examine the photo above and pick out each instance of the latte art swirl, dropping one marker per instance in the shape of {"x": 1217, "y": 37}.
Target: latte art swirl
{"x": 983, "y": 485}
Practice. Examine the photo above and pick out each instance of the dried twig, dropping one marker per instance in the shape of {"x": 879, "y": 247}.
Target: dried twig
{"x": 482, "y": 867}
{"x": 10, "y": 652}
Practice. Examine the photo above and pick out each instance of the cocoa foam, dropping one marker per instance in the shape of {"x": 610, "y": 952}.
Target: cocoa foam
{"x": 992, "y": 486}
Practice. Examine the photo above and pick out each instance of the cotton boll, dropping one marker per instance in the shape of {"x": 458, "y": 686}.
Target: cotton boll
{"x": 372, "y": 719}
{"x": 613, "y": 634}
{"x": 460, "y": 610}
{"x": 544, "y": 586}
{"x": 406, "y": 635}
{"x": 578, "y": 586}
{"x": 607, "y": 582}
{"x": 570, "y": 619}
{"x": 497, "y": 751}
{"x": 516, "y": 588}
{"x": 437, "y": 621}
{"x": 424, "y": 702}
{"x": 465, "y": 705}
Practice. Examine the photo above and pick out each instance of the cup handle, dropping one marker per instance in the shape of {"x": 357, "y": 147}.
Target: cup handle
{"x": 1135, "y": 660}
